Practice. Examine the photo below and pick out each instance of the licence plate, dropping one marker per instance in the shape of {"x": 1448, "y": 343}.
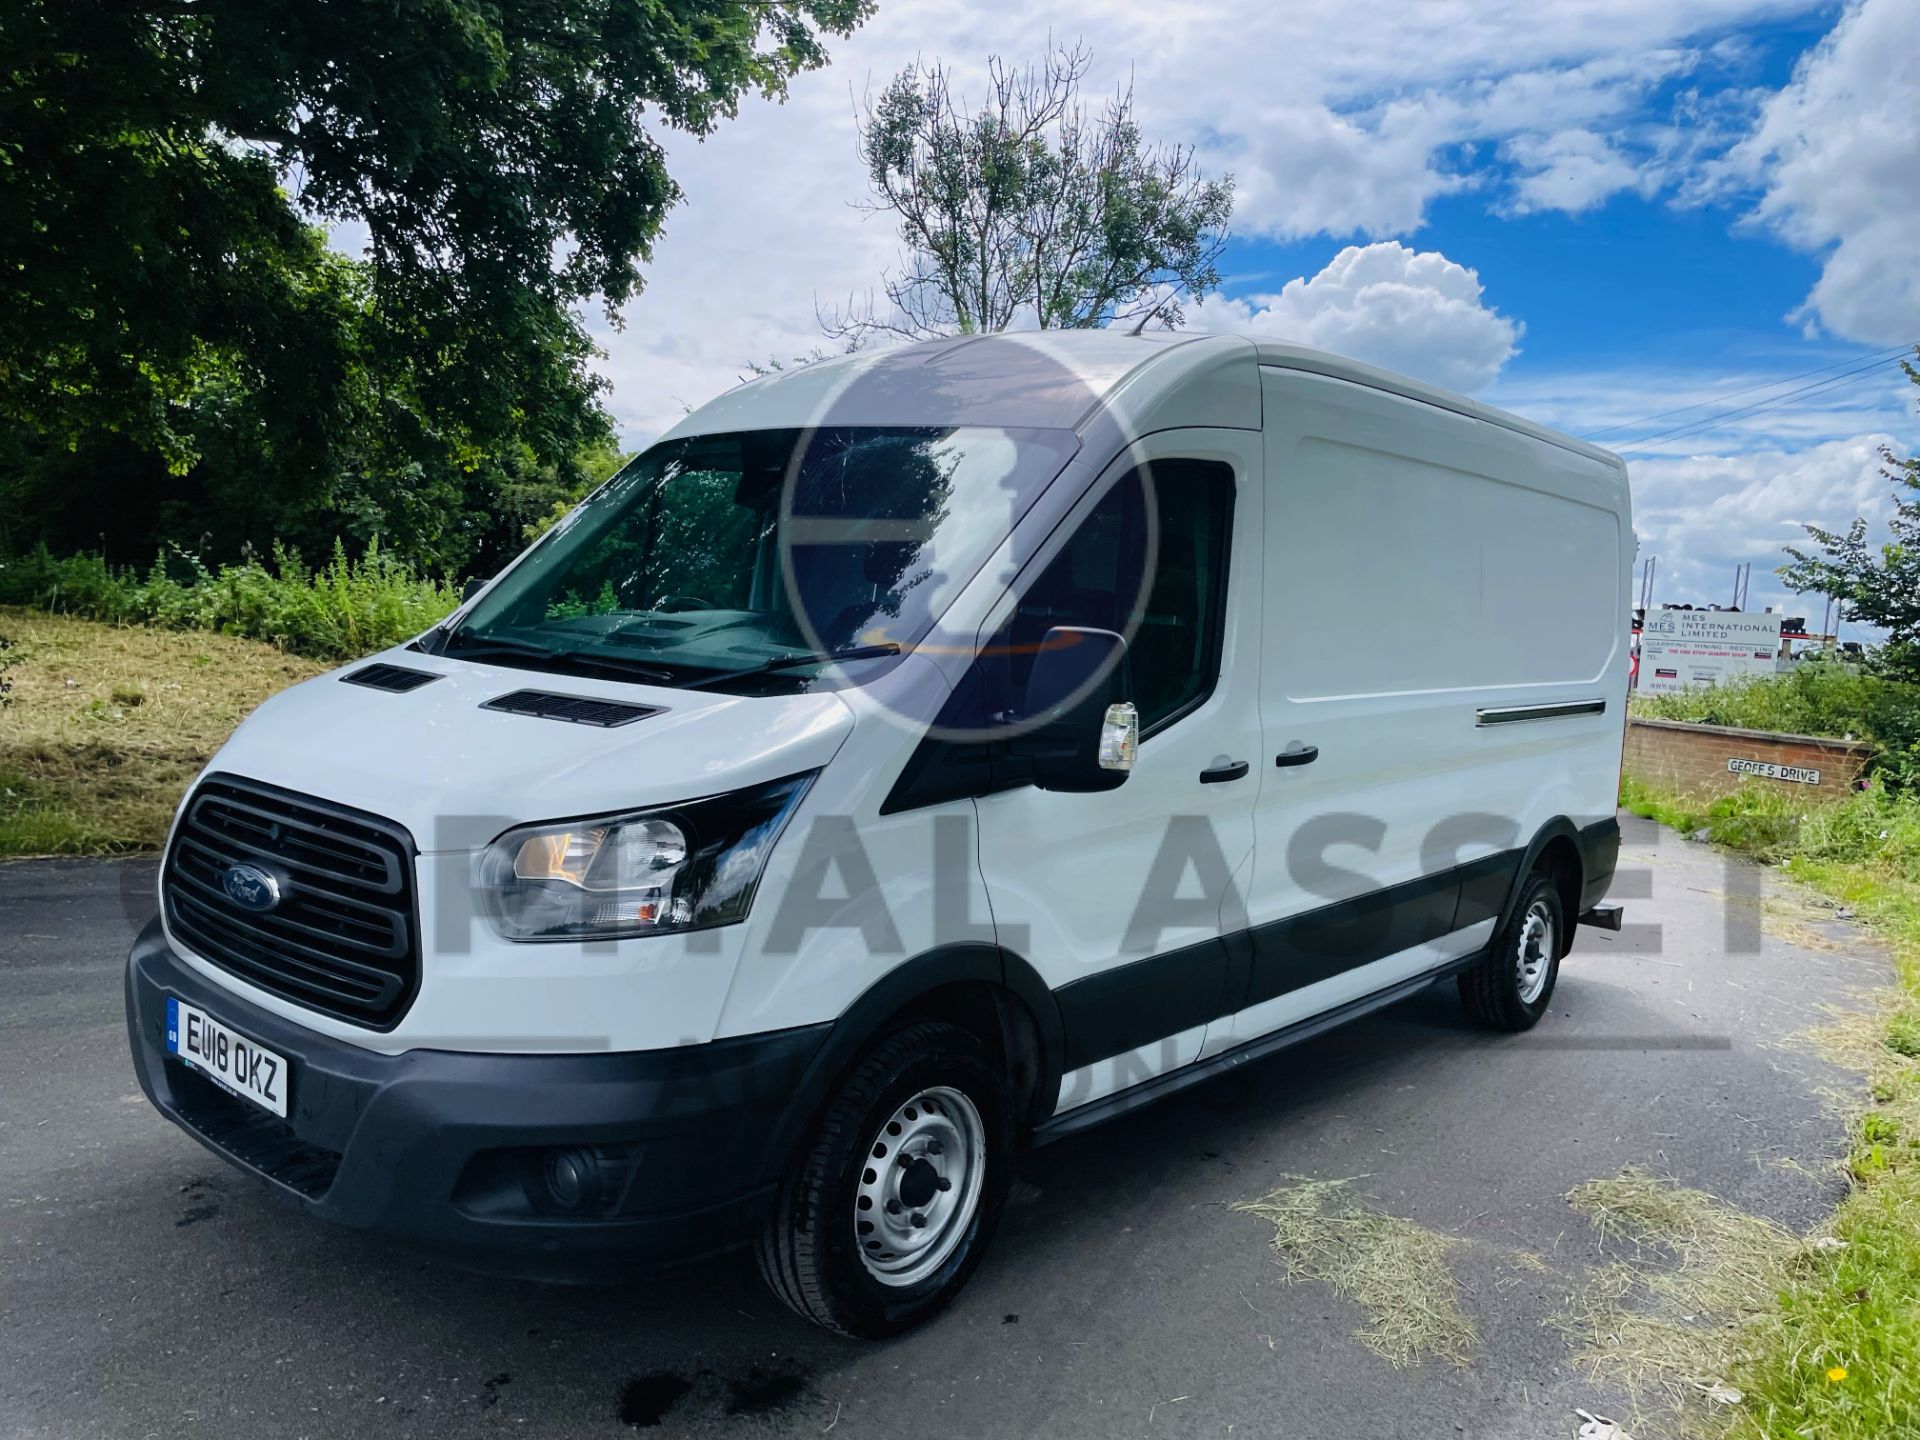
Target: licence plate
{"x": 227, "y": 1057}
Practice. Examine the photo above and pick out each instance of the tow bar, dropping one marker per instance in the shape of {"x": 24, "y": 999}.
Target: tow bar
{"x": 1607, "y": 915}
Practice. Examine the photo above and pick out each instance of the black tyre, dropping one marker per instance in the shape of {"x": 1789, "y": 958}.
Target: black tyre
{"x": 1511, "y": 986}
{"x": 892, "y": 1204}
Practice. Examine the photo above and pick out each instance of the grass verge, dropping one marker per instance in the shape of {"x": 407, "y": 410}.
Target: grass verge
{"x": 105, "y": 726}
{"x": 1837, "y": 1356}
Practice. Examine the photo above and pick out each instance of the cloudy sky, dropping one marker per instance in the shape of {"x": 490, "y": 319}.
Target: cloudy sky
{"x": 1590, "y": 211}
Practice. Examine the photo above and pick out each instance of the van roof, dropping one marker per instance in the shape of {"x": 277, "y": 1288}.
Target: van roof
{"x": 1055, "y": 379}
{"x": 1282, "y": 356}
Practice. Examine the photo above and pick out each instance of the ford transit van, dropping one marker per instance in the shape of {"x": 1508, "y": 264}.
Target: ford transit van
{"x": 906, "y": 760}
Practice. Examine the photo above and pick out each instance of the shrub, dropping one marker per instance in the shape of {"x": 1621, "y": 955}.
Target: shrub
{"x": 1812, "y": 699}
{"x": 1875, "y": 829}
{"x": 345, "y": 609}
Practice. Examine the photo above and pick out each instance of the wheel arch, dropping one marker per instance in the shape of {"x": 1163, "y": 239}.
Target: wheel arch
{"x": 1556, "y": 847}
{"x": 983, "y": 988}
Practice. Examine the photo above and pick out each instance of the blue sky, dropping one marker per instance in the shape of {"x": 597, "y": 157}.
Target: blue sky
{"x": 1585, "y": 210}
{"x": 1635, "y": 277}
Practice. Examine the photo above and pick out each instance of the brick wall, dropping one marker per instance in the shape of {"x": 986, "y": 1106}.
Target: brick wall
{"x": 1692, "y": 759}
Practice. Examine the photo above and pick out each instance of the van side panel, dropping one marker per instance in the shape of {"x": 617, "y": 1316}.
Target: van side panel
{"x": 1432, "y": 578}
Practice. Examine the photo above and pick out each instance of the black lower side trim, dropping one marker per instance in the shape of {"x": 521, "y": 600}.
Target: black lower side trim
{"x": 1072, "y": 1122}
{"x": 1305, "y": 949}
{"x": 1136, "y": 1004}
{"x": 1599, "y": 858}
{"x": 1484, "y": 887}
{"x": 1151, "y": 999}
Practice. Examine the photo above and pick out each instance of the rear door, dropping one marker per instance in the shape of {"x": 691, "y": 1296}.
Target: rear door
{"x": 1119, "y": 898}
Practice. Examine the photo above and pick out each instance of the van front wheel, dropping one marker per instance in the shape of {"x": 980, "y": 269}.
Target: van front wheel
{"x": 1510, "y": 987}
{"x": 891, "y": 1207}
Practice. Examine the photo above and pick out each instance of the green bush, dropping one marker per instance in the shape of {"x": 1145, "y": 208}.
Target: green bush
{"x": 1812, "y": 699}
{"x": 1875, "y": 829}
{"x": 345, "y": 609}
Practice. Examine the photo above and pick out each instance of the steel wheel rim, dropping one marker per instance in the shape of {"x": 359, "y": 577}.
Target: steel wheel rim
{"x": 1533, "y": 956}
{"x": 927, "y": 1164}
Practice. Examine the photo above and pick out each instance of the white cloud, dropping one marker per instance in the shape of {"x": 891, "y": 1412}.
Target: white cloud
{"x": 1702, "y": 515}
{"x": 1702, "y": 412}
{"x": 1838, "y": 151}
{"x": 1328, "y": 129}
{"x": 1412, "y": 311}
{"x": 1741, "y": 489}
{"x": 1570, "y": 170}
{"x": 1307, "y": 171}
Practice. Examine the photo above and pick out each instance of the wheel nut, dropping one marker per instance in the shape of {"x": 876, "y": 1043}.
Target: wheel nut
{"x": 919, "y": 1221}
{"x": 945, "y": 1184}
{"x": 893, "y": 1207}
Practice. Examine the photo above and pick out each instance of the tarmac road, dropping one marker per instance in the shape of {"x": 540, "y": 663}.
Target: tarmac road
{"x": 146, "y": 1289}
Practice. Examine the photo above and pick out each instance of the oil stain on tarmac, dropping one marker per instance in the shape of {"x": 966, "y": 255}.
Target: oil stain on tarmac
{"x": 761, "y": 1390}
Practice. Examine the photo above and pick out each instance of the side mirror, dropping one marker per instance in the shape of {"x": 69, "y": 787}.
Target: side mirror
{"x": 1085, "y": 729}
{"x": 473, "y": 587}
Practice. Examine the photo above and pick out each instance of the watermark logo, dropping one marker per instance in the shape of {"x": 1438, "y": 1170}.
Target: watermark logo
{"x": 883, "y": 524}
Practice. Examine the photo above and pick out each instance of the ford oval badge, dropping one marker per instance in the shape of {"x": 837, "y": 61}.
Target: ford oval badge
{"x": 250, "y": 887}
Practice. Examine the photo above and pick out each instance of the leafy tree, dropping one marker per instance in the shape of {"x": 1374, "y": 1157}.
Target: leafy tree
{"x": 1031, "y": 209}
{"x": 171, "y": 301}
{"x": 1876, "y": 585}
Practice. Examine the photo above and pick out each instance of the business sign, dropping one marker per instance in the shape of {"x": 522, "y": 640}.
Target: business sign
{"x": 1693, "y": 649}
{"x": 1767, "y": 770}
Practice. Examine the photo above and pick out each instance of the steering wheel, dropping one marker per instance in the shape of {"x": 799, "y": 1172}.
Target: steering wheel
{"x": 682, "y": 602}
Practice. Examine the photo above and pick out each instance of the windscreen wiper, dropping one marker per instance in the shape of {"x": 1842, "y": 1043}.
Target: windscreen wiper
{"x": 616, "y": 666}
{"x": 794, "y": 662}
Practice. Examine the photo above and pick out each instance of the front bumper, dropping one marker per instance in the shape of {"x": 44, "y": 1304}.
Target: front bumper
{"x": 444, "y": 1150}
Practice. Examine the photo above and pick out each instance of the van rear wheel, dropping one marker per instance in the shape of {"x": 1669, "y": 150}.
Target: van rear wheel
{"x": 1510, "y": 987}
{"x": 891, "y": 1206}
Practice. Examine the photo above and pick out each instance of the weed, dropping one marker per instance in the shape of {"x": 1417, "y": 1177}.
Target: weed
{"x": 1834, "y": 1351}
{"x": 345, "y": 609}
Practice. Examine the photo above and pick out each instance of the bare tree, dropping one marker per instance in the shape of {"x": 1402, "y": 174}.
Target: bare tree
{"x": 1032, "y": 209}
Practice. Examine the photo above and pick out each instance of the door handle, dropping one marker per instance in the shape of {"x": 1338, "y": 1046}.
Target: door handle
{"x": 1297, "y": 754}
{"x": 1220, "y": 774}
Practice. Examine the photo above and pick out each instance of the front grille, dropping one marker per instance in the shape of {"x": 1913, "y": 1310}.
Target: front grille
{"x": 343, "y": 938}
{"x": 249, "y": 1134}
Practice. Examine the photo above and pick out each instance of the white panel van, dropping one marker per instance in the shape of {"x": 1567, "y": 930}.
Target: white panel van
{"x": 907, "y": 759}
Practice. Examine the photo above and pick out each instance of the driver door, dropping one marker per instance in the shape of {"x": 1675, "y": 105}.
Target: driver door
{"x": 1120, "y": 898}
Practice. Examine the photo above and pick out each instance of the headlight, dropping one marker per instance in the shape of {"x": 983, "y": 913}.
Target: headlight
{"x": 648, "y": 872}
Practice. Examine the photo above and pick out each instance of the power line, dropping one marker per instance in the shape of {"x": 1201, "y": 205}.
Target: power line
{"x": 1878, "y": 357}
{"x": 1766, "y": 406}
{"x": 1762, "y": 407}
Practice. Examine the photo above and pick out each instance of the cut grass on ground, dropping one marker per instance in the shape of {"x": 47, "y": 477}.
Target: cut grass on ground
{"x": 1837, "y": 1357}
{"x": 108, "y": 725}
{"x": 1395, "y": 1270}
{"x": 1667, "y": 1317}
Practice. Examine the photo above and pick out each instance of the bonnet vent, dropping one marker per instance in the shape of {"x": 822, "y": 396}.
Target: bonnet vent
{"x": 574, "y": 709}
{"x": 396, "y": 678}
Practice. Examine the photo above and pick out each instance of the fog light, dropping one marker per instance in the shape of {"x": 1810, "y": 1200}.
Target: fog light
{"x": 570, "y": 1181}
{"x": 587, "y": 1180}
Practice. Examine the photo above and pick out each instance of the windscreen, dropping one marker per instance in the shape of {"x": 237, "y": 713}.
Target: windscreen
{"x": 762, "y": 556}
